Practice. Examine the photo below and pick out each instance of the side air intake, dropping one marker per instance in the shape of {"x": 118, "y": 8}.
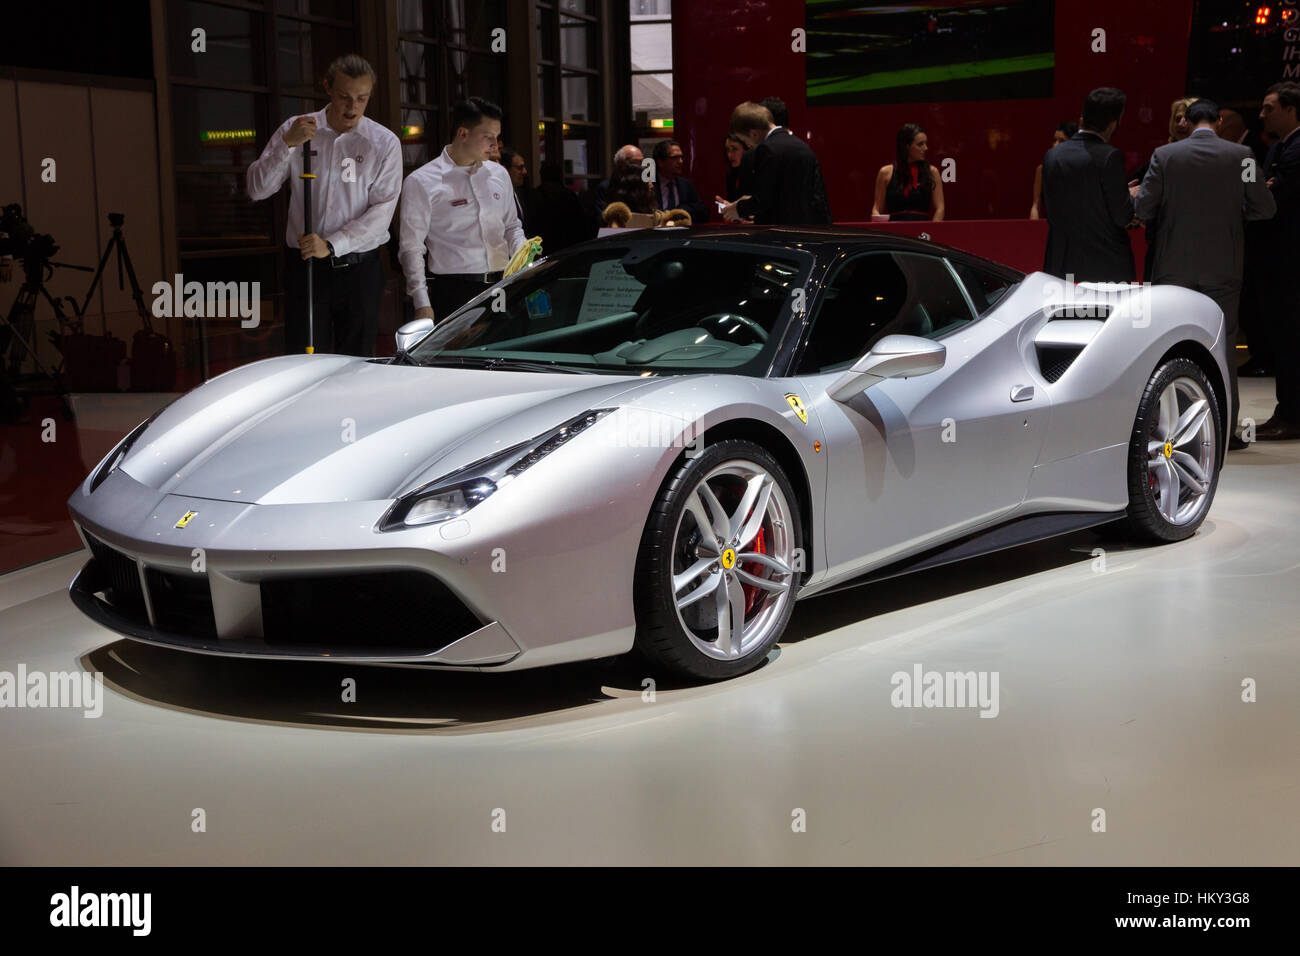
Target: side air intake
{"x": 1060, "y": 341}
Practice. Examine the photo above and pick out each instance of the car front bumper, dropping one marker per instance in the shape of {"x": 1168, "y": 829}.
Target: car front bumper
{"x": 318, "y": 582}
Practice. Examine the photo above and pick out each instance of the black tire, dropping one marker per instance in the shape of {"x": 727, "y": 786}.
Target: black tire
{"x": 1144, "y": 520}
{"x": 661, "y": 638}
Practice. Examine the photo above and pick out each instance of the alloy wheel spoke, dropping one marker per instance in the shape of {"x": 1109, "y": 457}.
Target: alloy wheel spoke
{"x": 735, "y": 596}
{"x": 764, "y": 559}
{"x": 749, "y": 530}
{"x": 690, "y": 574}
{"x": 1168, "y": 413}
{"x": 767, "y": 584}
{"x": 1190, "y": 423}
{"x": 722, "y": 602}
{"x": 1189, "y": 472}
{"x": 1167, "y": 482}
{"x": 753, "y": 488}
{"x": 712, "y": 507}
{"x": 1155, "y": 450}
{"x": 709, "y": 586}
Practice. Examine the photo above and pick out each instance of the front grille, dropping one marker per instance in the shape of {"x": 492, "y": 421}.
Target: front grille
{"x": 121, "y": 576}
{"x": 397, "y": 609}
{"x": 182, "y": 602}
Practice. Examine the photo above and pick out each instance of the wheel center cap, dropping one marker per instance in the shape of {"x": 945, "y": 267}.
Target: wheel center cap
{"x": 1169, "y": 449}
{"x": 728, "y": 559}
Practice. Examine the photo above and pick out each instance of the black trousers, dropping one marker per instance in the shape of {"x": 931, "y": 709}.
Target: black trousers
{"x": 447, "y": 294}
{"x": 1282, "y": 304}
{"x": 345, "y": 304}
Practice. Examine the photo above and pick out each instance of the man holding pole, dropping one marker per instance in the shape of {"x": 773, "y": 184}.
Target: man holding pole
{"x": 352, "y": 185}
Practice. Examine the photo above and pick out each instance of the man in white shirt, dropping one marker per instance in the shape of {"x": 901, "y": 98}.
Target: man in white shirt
{"x": 358, "y": 168}
{"x": 458, "y": 216}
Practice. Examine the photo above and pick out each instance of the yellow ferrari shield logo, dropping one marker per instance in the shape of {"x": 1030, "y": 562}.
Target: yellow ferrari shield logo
{"x": 1169, "y": 449}
{"x": 185, "y": 519}
{"x": 797, "y": 404}
{"x": 728, "y": 559}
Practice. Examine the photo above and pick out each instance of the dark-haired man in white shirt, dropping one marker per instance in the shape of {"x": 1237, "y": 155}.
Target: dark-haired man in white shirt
{"x": 458, "y": 216}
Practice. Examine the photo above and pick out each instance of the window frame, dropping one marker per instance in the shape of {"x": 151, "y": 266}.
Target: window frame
{"x": 834, "y": 270}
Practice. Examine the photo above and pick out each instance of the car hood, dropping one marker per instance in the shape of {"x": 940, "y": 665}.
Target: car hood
{"x": 305, "y": 429}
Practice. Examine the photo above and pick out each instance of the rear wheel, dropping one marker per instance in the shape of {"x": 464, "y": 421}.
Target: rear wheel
{"x": 1173, "y": 462}
{"x": 715, "y": 577}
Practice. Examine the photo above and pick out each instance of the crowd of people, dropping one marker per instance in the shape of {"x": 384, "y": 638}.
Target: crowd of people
{"x": 1222, "y": 218}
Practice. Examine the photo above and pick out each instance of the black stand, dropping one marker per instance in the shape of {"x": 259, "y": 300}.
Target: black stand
{"x": 117, "y": 243}
{"x": 306, "y": 178}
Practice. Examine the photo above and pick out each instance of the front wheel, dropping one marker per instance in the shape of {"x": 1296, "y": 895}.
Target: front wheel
{"x": 716, "y": 576}
{"x": 1173, "y": 462}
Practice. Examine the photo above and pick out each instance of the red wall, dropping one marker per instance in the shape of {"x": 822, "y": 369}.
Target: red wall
{"x": 728, "y": 51}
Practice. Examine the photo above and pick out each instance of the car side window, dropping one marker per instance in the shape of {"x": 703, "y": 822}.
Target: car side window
{"x": 984, "y": 288}
{"x": 879, "y": 294}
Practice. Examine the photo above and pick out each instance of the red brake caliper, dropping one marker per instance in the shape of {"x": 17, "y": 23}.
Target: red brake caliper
{"x": 753, "y": 593}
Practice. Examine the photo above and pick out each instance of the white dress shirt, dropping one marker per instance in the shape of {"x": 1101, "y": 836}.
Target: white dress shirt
{"x": 458, "y": 220}
{"x": 352, "y": 216}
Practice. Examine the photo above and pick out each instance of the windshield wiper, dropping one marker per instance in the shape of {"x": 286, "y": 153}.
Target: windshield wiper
{"x": 521, "y": 366}
{"x": 518, "y": 365}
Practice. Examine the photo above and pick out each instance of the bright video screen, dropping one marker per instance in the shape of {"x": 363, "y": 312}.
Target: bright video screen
{"x": 928, "y": 51}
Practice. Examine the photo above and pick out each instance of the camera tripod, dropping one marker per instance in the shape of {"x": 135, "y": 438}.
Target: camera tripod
{"x": 21, "y": 320}
{"x": 117, "y": 243}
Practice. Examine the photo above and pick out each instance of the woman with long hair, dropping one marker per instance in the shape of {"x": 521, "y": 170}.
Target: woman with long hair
{"x": 1064, "y": 130}
{"x": 735, "y": 152}
{"x": 910, "y": 187}
{"x": 627, "y": 186}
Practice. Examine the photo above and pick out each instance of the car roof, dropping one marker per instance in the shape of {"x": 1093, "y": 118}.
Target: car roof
{"x": 824, "y": 239}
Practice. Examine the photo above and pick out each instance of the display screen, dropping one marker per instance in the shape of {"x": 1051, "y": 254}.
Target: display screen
{"x": 928, "y": 51}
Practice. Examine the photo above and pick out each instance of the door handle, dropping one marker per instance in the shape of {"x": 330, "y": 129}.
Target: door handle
{"x": 1022, "y": 393}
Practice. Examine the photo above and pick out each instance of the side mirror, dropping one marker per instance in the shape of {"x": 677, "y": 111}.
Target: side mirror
{"x": 410, "y": 335}
{"x": 894, "y": 356}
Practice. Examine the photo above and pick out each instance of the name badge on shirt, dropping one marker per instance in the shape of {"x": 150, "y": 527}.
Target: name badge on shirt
{"x": 460, "y": 202}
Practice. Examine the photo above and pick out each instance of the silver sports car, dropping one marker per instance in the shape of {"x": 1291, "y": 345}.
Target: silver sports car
{"x": 656, "y": 442}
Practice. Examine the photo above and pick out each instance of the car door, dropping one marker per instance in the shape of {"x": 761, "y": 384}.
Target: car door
{"x": 914, "y": 462}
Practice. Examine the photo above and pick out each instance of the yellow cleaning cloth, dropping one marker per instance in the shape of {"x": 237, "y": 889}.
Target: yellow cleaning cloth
{"x": 530, "y": 250}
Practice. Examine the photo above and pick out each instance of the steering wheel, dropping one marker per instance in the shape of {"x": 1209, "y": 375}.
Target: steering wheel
{"x": 721, "y": 320}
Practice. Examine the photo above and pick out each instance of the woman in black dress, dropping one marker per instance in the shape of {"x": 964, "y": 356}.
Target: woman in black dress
{"x": 910, "y": 187}
{"x": 1064, "y": 130}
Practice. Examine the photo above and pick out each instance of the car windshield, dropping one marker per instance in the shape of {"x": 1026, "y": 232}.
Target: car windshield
{"x": 645, "y": 309}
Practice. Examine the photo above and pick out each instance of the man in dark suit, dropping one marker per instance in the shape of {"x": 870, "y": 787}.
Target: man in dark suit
{"x": 1281, "y": 116}
{"x": 788, "y": 185}
{"x": 672, "y": 189}
{"x": 1088, "y": 202}
{"x": 780, "y": 117}
{"x": 1201, "y": 190}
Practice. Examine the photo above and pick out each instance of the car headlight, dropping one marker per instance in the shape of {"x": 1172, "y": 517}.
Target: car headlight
{"x": 452, "y": 495}
{"x": 118, "y": 454}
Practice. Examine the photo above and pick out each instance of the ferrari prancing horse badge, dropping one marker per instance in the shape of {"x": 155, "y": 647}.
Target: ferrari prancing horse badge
{"x": 797, "y": 404}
